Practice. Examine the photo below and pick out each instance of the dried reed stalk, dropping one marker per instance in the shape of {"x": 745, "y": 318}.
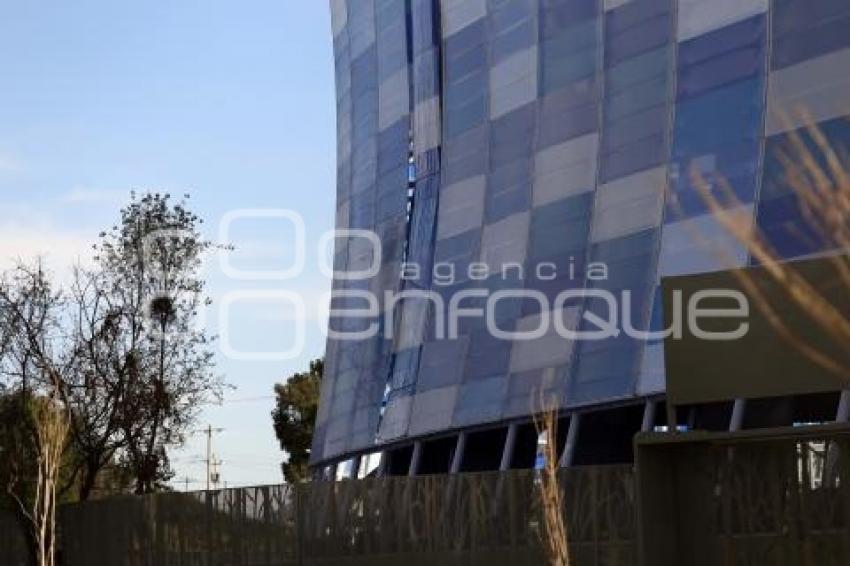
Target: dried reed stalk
{"x": 822, "y": 189}
{"x": 49, "y": 433}
{"x": 51, "y": 427}
{"x": 552, "y": 500}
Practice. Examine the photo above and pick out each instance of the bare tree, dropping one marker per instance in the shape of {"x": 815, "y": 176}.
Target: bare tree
{"x": 118, "y": 346}
{"x": 51, "y": 429}
{"x": 32, "y": 350}
{"x": 150, "y": 264}
{"x": 65, "y": 342}
{"x": 97, "y": 387}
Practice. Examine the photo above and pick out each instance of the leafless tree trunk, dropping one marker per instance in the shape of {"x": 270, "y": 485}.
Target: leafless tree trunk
{"x": 50, "y": 428}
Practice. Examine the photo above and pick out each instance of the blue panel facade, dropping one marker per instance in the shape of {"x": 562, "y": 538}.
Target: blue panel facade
{"x": 534, "y": 140}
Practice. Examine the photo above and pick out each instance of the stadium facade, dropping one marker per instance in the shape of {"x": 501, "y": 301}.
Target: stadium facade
{"x": 516, "y": 134}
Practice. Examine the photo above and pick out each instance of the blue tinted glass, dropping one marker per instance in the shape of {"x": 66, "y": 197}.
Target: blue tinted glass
{"x": 787, "y": 230}
{"x": 559, "y": 14}
{"x": 806, "y": 43}
{"x": 560, "y": 119}
{"x": 487, "y": 354}
{"x": 634, "y": 157}
{"x": 726, "y": 68}
{"x": 635, "y": 13}
{"x": 745, "y": 33}
{"x": 517, "y": 38}
{"x": 481, "y": 400}
{"x": 651, "y": 34}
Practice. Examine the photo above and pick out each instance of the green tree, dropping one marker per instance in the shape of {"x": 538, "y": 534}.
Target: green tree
{"x": 294, "y": 419}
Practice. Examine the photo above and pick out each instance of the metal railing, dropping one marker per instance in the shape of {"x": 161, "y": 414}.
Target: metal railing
{"x": 779, "y": 497}
{"x": 749, "y": 498}
{"x": 464, "y": 519}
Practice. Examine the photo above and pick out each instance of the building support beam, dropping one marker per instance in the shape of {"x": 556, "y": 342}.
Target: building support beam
{"x": 415, "y": 459}
{"x": 648, "y": 423}
{"x": 460, "y": 448}
{"x": 843, "y": 413}
{"x": 354, "y": 473}
{"x": 672, "y": 418}
{"x": 572, "y": 440}
{"x": 736, "y": 423}
{"x": 382, "y": 466}
{"x": 508, "y": 451}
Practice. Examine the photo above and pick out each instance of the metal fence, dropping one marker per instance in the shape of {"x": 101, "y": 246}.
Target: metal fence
{"x": 745, "y": 499}
{"x": 467, "y": 519}
{"x": 234, "y": 527}
{"x": 752, "y": 498}
{"x": 12, "y": 543}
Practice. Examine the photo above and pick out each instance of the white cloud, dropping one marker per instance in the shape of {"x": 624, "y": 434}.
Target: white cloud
{"x": 83, "y": 195}
{"x": 25, "y": 240}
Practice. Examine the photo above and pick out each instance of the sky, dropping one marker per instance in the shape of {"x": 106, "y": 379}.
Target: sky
{"x": 229, "y": 102}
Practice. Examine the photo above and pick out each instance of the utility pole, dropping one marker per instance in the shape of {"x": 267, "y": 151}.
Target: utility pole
{"x": 209, "y": 431}
{"x": 216, "y": 475}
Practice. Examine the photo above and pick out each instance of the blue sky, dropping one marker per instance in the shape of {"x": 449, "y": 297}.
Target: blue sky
{"x": 231, "y": 102}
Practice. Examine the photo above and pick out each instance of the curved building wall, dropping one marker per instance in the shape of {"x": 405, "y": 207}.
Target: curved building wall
{"x": 521, "y": 133}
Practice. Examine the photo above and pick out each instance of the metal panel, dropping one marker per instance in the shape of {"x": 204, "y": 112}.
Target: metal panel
{"x": 700, "y": 244}
{"x": 361, "y": 27}
{"x": 396, "y": 418}
{"x": 565, "y": 169}
{"x": 651, "y": 380}
{"x": 513, "y": 82}
{"x": 457, "y": 14}
{"x": 697, "y": 17}
{"x": 481, "y": 401}
{"x": 505, "y": 241}
{"x": 629, "y": 204}
{"x": 812, "y": 86}
{"x": 442, "y": 363}
{"x": 461, "y": 207}
{"x": 393, "y": 99}
{"x": 804, "y": 30}
{"x": 550, "y": 350}
{"x": 433, "y": 410}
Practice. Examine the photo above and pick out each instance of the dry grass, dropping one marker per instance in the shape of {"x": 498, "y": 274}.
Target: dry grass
{"x": 555, "y": 532}
{"x": 51, "y": 424}
{"x": 819, "y": 175}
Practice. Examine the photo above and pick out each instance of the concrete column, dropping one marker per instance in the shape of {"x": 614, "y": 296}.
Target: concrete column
{"x": 508, "y": 451}
{"x": 843, "y": 413}
{"x": 382, "y": 467}
{"x": 572, "y": 441}
{"x": 672, "y": 419}
{"x": 737, "y": 420}
{"x": 415, "y": 459}
{"x": 355, "y": 468}
{"x": 457, "y": 461}
{"x": 648, "y": 417}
